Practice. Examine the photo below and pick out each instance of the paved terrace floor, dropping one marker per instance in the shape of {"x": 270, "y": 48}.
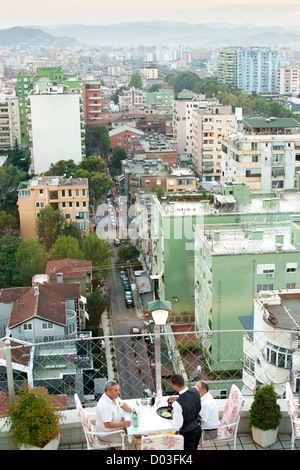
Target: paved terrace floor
{"x": 244, "y": 442}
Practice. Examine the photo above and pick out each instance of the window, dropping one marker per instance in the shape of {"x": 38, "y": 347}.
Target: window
{"x": 290, "y": 285}
{"x": 47, "y": 326}
{"x": 278, "y": 356}
{"x": 70, "y": 192}
{"x": 265, "y": 268}
{"x": 77, "y": 192}
{"x": 260, "y": 287}
{"x": 249, "y": 365}
{"x": 27, "y": 326}
{"x": 291, "y": 267}
{"x": 63, "y": 193}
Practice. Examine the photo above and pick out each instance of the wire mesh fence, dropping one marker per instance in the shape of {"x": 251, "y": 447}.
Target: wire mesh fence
{"x": 247, "y": 359}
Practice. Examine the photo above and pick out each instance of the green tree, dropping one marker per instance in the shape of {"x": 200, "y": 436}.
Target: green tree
{"x": 104, "y": 141}
{"x": 31, "y": 259}
{"x": 61, "y": 168}
{"x": 115, "y": 165}
{"x": 49, "y": 225}
{"x": 93, "y": 164}
{"x": 7, "y": 223}
{"x": 100, "y": 253}
{"x": 8, "y": 266}
{"x": 10, "y": 178}
{"x": 66, "y": 247}
{"x": 70, "y": 229}
{"x": 97, "y": 303}
{"x": 136, "y": 80}
{"x": 19, "y": 157}
{"x": 127, "y": 255}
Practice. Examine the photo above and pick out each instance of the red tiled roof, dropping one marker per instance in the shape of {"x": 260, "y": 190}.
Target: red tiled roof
{"x": 70, "y": 268}
{"x": 46, "y": 301}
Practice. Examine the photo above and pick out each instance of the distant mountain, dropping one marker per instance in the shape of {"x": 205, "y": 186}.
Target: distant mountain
{"x": 164, "y": 32}
{"x": 150, "y": 34}
{"x": 18, "y": 36}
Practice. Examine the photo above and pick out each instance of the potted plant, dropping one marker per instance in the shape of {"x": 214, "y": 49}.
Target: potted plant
{"x": 33, "y": 420}
{"x": 264, "y": 416}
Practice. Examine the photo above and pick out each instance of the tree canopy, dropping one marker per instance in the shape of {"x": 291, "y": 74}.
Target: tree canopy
{"x": 49, "y": 225}
{"x": 31, "y": 259}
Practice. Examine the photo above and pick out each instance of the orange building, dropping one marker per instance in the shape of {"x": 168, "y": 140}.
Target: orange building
{"x": 70, "y": 195}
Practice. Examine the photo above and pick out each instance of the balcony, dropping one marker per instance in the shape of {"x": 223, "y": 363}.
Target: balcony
{"x": 131, "y": 362}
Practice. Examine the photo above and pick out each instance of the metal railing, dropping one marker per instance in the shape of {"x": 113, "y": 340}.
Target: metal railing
{"x": 248, "y": 359}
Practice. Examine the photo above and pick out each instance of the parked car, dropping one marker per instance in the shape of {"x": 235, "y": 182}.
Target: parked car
{"x": 129, "y": 302}
{"x": 125, "y": 280}
{"x": 116, "y": 242}
{"x": 127, "y": 287}
{"x": 122, "y": 273}
{"x": 135, "y": 331}
{"x": 128, "y": 294}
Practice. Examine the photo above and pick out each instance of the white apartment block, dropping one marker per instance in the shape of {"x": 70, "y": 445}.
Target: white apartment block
{"x": 9, "y": 122}
{"x": 208, "y": 126}
{"x": 183, "y": 108}
{"x": 264, "y": 153}
{"x": 288, "y": 80}
{"x": 57, "y": 127}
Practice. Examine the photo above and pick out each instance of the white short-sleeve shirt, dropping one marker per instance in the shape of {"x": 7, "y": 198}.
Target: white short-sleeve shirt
{"x": 108, "y": 411}
{"x": 209, "y": 412}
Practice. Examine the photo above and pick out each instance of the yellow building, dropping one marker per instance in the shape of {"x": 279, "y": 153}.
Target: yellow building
{"x": 70, "y": 195}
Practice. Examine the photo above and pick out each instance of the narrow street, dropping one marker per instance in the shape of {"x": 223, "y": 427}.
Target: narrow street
{"x": 132, "y": 360}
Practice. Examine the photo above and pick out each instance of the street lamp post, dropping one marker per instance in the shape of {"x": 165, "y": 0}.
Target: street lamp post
{"x": 160, "y": 310}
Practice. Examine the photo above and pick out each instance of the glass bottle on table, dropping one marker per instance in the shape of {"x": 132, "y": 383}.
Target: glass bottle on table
{"x": 135, "y": 419}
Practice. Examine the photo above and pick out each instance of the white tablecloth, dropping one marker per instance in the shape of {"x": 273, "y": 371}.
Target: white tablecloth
{"x": 149, "y": 421}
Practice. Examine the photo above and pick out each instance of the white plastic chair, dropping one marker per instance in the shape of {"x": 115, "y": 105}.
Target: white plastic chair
{"x": 293, "y": 413}
{"x": 162, "y": 442}
{"x": 93, "y": 438}
{"x": 228, "y": 425}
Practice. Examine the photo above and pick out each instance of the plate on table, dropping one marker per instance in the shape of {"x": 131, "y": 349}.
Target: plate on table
{"x": 164, "y": 413}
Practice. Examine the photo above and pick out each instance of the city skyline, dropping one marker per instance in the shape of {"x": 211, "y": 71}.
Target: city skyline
{"x": 33, "y": 13}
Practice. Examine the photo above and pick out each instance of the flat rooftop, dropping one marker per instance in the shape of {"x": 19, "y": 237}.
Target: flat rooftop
{"x": 243, "y": 241}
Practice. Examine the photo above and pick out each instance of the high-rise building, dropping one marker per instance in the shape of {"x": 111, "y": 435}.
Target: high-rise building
{"x": 92, "y": 101}
{"x": 57, "y": 126}
{"x": 264, "y": 153}
{"x": 252, "y": 70}
{"x": 288, "y": 80}
{"x": 9, "y": 122}
{"x": 208, "y": 126}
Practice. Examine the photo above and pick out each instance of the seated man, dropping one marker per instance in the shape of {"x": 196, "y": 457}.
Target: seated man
{"x": 110, "y": 413}
{"x": 209, "y": 411}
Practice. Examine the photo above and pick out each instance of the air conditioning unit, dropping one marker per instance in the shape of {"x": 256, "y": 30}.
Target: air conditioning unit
{"x": 270, "y": 275}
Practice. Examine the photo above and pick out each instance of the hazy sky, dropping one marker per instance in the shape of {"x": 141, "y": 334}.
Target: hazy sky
{"x": 37, "y": 12}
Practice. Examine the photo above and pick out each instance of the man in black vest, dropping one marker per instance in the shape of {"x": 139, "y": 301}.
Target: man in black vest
{"x": 186, "y": 409}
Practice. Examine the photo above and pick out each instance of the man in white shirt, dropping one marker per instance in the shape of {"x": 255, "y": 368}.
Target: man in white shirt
{"x": 110, "y": 413}
{"x": 209, "y": 411}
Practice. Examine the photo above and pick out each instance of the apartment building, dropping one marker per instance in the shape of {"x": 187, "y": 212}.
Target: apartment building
{"x": 183, "y": 108}
{"x": 208, "y": 127}
{"x": 70, "y": 195}
{"x": 154, "y": 146}
{"x": 57, "y": 125}
{"x": 251, "y": 69}
{"x": 130, "y": 99}
{"x": 232, "y": 265}
{"x": 288, "y": 80}
{"x": 269, "y": 356}
{"x": 91, "y": 92}
{"x": 10, "y": 131}
{"x": 264, "y": 153}
{"x": 150, "y": 174}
